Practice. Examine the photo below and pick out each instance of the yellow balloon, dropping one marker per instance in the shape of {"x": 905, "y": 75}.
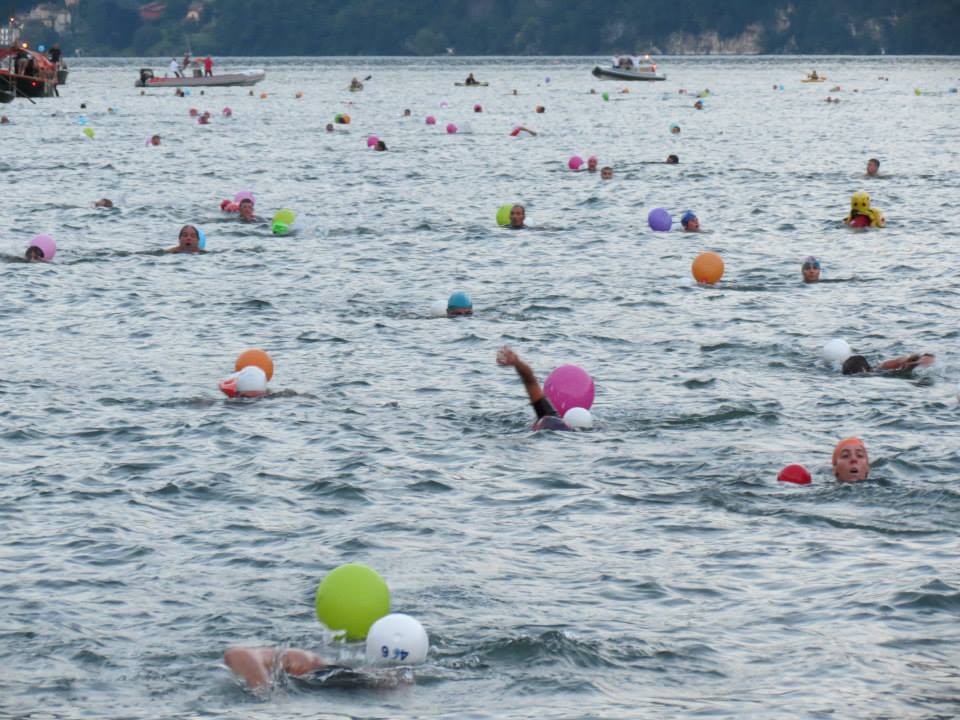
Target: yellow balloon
{"x": 88, "y": 131}
{"x": 284, "y": 216}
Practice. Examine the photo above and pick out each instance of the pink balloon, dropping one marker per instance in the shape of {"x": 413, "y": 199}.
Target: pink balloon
{"x": 372, "y": 141}
{"x": 443, "y": 103}
{"x": 431, "y": 120}
{"x": 575, "y": 162}
{"x": 46, "y": 244}
{"x": 478, "y": 108}
{"x": 244, "y": 195}
{"x": 227, "y": 112}
{"x": 568, "y": 387}
{"x": 451, "y": 128}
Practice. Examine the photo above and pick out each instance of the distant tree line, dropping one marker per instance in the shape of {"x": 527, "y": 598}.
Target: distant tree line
{"x": 509, "y": 27}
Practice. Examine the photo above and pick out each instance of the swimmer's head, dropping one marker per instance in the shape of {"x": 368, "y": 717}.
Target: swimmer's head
{"x": 380, "y": 146}
{"x": 855, "y": 365}
{"x": 189, "y": 239}
{"x": 698, "y": 104}
{"x": 246, "y": 208}
{"x": 690, "y": 221}
{"x": 550, "y": 422}
{"x": 850, "y": 460}
{"x": 673, "y": 160}
{"x": 873, "y": 166}
{"x": 517, "y": 216}
{"x": 104, "y": 203}
{"x": 459, "y": 304}
{"x": 606, "y": 173}
{"x": 811, "y": 269}
{"x": 540, "y": 108}
{"x": 592, "y": 163}
{"x": 155, "y": 140}
{"x": 407, "y": 113}
{"x": 329, "y": 127}
{"x": 860, "y": 203}
{"x": 34, "y": 254}
{"x": 675, "y": 129}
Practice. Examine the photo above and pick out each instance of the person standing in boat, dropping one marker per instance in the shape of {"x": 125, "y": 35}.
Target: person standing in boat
{"x": 471, "y": 80}
{"x": 175, "y": 68}
{"x": 208, "y": 67}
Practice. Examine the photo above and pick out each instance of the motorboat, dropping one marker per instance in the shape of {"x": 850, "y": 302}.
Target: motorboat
{"x": 629, "y": 68}
{"x": 245, "y": 77}
{"x": 26, "y": 73}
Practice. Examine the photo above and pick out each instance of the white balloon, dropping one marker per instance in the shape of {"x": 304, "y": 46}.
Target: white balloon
{"x": 397, "y": 639}
{"x": 578, "y": 418}
{"x": 836, "y": 351}
{"x": 438, "y": 308}
{"x": 251, "y": 380}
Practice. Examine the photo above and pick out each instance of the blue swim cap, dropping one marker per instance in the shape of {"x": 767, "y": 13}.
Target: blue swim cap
{"x": 459, "y": 301}
{"x": 687, "y": 217}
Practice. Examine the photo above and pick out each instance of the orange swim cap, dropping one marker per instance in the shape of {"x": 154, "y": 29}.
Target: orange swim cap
{"x": 847, "y": 442}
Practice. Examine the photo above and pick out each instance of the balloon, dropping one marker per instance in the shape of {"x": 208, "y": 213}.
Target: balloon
{"x": 444, "y": 103}
{"x": 606, "y": 96}
{"x": 431, "y": 120}
{"x": 201, "y": 239}
{"x": 569, "y": 387}
{"x": 860, "y": 221}
{"x": 397, "y": 639}
{"x": 280, "y": 228}
{"x": 836, "y": 350}
{"x": 707, "y": 268}
{"x": 578, "y": 418}
{"x": 438, "y": 308}
{"x": 284, "y": 216}
{"x": 503, "y": 214}
{"x": 88, "y": 131}
{"x": 575, "y": 162}
{"x": 46, "y": 244}
{"x": 244, "y": 195}
{"x": 351, "y": 599}
{"x": 659, "y": 220}
{"x": 478, "y": 108}
{"x": 372, "y": 141}
{"x": 256, "y": 357}
{"x": 251, "y": 381}
{"x": 451, "y": 128}
{"x": 797, "y": 474}
{"x": 227, "y": 112}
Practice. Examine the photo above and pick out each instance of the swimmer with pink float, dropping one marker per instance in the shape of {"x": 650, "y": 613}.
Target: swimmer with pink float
{"x": 41, "y": 249}
{"x": 569, "y": 391}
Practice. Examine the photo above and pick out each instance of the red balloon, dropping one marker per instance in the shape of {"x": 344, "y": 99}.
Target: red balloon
{"x": 860, "y": 221}
{"x": 796, "y": 474}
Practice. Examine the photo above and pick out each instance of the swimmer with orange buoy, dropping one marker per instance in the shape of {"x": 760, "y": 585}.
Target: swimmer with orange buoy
{"x": 253, "y": 369}
{"x": 863, "y": 214}
{"x": 190, "y": 240}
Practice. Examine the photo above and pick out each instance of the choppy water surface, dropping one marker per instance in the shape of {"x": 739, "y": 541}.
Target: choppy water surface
{"x": 652, "y": 567}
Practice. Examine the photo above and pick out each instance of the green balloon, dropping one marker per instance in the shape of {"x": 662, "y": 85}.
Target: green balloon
{"x": 88, "y": 131}
{"x": 606, "y": 96}
{"x": 284, "y": 216}
{"x": 280, "y": 228}
{"x": 351, "y": 599}
{"x": 503, "y": 214}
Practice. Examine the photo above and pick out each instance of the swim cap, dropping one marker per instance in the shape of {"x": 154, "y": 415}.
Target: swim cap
{"x": 811, "y": 261}
{"x": 847, "y": 442}
{"x": 550, "y": 422}
{"x": 459, "y": 301}
{"x": 687, "y": 217}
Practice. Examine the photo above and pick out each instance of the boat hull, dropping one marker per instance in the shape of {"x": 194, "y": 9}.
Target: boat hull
{"x": 226, "y": 80}
{"x": 630, "y": 75}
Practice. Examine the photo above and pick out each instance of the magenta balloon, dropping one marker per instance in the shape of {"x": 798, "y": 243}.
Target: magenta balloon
{"x": 46, "y": 244}
{"x": 568, "y": 387}
{"x": 431, "y": 120}
{"x": 451, "y": 128}
{"x": 372, "y": 140}
{"x": 659, "y": 220}
{"x": 575, "y": 162}
{"x": 244, "y": 195}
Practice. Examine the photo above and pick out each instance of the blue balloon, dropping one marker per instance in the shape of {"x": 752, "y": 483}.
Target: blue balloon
{"x": 41, "y": 48}
{"x": 459, "y": 301}
{"x": 202, "y": 243}
{"x": 659, "y": 220}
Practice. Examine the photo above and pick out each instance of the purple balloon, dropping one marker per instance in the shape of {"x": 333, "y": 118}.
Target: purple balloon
{"x": 244, "y": 195}
{"x": 659, "y": 220}
{"x": 46, "y": 244}
{"x": 568, "y": 387}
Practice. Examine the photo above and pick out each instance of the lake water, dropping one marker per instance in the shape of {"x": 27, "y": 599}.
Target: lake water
{"x": 651, "y": 567}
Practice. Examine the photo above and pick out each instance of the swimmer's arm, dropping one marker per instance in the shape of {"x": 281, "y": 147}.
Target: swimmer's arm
{"x": 907, "y": 361}
{"x": 508, "y": 357}
{"x": 253, "y": 664}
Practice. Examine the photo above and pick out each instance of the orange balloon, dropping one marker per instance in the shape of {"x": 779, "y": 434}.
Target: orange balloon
{"x": 707, "y": 268}
{"x": 256, "y": 357}
{"x": 346, "y": 119}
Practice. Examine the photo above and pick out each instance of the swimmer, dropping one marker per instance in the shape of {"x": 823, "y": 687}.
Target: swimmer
{"x": 862, "y": 213}
{"x": 674, "y": 129}
{"x": 858, "y": 365}
{"x": 407, "y": 113}
{"x": 189, "y": 241}
{"x": 690, "y": 222}
{"x": 104, "y": 203}
{"x": 873, "y": 167}
{"x": 850, "y": 460}
{"x": 381, "y": 146}
{"x": 517, "y": 216}
{"x": 810, "y": 269}
{"x": 519, "y": 129}
{"x": 541, "y": 109}
{"x": 330, "y": 127}
{"x": 155, "y": 140}
{"x": 256, "y": 665}
{"x": 246, "y": 211}
{"x": 672, "y": 160}
{"x": 515, "y": 92}
{"x": 698, "y": 104}
{"x": 547, "y": 417}
{"x": 606, "y": 173}
{"x": 34, "y": 254}
{"x": 459, "y": 304}
{"x": 4, "y": 120}
{"x": 592, "y": 163}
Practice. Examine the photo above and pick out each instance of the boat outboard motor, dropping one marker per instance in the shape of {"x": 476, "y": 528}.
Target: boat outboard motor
{"x": 145, "y": 74}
